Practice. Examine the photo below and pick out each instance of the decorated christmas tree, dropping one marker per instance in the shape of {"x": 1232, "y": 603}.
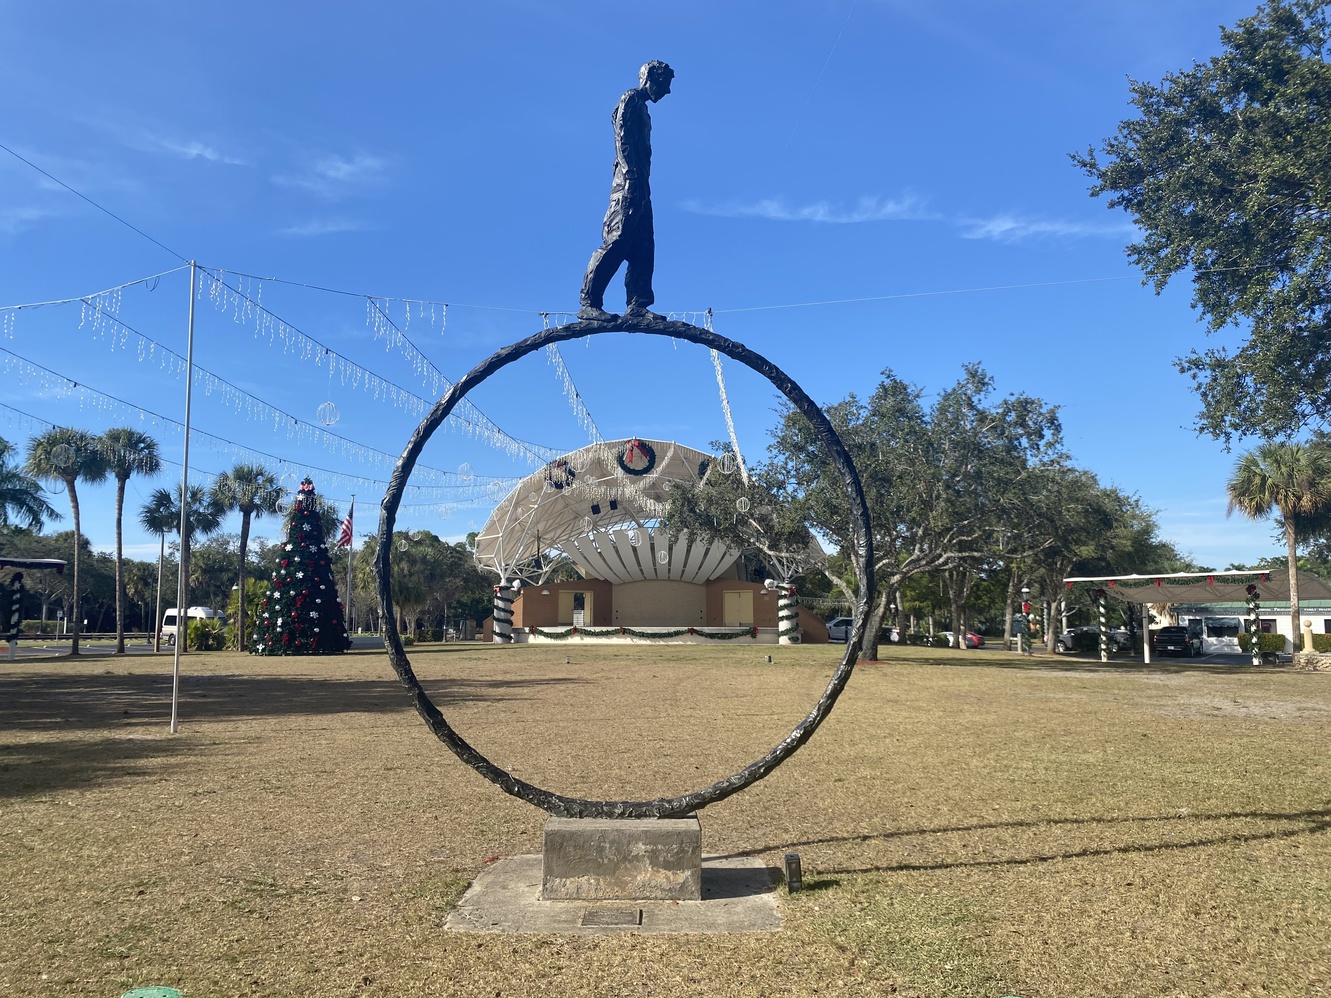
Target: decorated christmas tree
{"x": 301, "y": 614}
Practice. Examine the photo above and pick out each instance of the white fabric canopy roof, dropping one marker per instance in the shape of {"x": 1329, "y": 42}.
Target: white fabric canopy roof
{"x": 567, "y": 506}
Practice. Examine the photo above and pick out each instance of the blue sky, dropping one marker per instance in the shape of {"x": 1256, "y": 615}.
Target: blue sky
{"x": 850, "y": 185}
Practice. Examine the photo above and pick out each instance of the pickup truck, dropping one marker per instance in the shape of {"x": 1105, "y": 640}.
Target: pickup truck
{"x": 1176, "y": 640}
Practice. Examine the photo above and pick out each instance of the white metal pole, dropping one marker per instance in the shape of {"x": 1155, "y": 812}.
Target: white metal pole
{"x": 1146, "y": 633}
{"x": 350, "y": 548}
{"x": 182, "y": 605}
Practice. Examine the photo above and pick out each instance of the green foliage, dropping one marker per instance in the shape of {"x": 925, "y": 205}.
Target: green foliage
{"x": 1227, "y": 174}
{"x": 205, "y": 635}
{"x": 1265, "y": 642}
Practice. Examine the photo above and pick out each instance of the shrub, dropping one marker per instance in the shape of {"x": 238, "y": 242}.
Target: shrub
{"x": 205, "y": 635}
{"x": 407, "y": 639}
{"x": 938, "y": 641}
{"x": 1266, "y": 642}
{"x": 1086, "y": 641}
{"x": 434, "y": 634}
{"x": 1322, "y": 642}
{"x": 37, "y": 627}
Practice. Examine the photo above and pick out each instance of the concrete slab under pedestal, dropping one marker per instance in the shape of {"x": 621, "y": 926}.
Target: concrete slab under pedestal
{"x": 636, "y": 859}
{"x": 739, "y": 894}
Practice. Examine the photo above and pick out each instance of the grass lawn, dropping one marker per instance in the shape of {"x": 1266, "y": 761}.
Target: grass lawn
{"x": 971, "y": 823}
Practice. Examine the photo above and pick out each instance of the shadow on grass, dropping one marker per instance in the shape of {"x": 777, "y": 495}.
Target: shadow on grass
{"x": 1313, "y": 822}
{"x": 32, "y": 769}
{"x": 38, "y": 702}
{"x": 1045, "y": 662}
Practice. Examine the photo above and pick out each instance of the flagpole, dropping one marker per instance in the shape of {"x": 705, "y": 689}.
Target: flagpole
{"x": 350, "y": 547}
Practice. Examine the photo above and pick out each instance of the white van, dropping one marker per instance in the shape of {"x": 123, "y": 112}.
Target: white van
{"x": 171, "y": 626}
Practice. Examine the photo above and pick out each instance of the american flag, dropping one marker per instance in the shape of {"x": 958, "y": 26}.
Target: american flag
{"x": 345, "y": 539}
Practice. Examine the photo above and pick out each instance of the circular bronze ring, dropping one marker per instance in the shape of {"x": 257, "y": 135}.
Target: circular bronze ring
{"x": 664, "y": 807}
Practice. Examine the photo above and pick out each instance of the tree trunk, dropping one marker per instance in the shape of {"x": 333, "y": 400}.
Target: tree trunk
{"x": 869, "y": 653}
{"x": 120, "y": 566}
{"x": 1008, "y": 608}
{"x": 74, "y": 595}
{"x": 240, "y": 602}
{"x": 1294, "y": 586}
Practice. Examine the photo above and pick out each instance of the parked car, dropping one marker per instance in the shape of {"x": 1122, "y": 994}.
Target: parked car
{"x": 1176, "y": 640}
{"x": 171, "y": 625}
{"x": 973, "y": 640}
{"x": 838, "y": 629}
{"x": 1119, "y": 639}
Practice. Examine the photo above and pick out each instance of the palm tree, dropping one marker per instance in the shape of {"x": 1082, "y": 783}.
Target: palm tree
{"x": 127, "y": 452}
{"x": 21, "y": 501}
{"x": 69, "y": 456}
{"x": 204, "y": 516}
{"x": 160, "y": 516}
{"x": 253, "y": 491}
{"x": 1291, "y": 479}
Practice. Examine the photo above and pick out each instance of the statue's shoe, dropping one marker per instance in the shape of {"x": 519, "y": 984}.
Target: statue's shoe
{"x": 591, "y": 313}
{"x": 638, "y": 312}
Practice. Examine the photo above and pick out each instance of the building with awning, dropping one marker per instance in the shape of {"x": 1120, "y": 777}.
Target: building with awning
{"x": 1220, "y": 605}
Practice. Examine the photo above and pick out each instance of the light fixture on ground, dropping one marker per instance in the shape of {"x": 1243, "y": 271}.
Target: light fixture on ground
{"x": 794, "y": 874}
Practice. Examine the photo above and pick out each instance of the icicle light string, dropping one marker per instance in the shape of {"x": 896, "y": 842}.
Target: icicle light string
{"x": 26, "y": 421}
{"x": 730, "y": 422}
{"x": 24, "y": 371}
{"x": 458, "y": 496}
{"x": 575, "y": 401}
{"x": 355, "y": 376}
{"x": 98, "y": 294}
{"x": 242, "y": 402}
{"x": 467, "y": 417}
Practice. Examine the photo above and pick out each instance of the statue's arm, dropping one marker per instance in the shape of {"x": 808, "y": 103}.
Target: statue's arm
{"x": 631, "y": 140}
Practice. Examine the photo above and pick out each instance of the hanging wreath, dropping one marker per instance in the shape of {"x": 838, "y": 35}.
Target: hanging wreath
{"x": 636, "y": 457}
{"x": 559, "y": 474}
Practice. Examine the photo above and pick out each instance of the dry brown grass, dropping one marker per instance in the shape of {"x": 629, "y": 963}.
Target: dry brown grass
{"x": 971, "y": 823}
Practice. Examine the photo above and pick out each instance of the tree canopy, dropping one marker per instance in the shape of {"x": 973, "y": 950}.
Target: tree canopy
{"x": 1227, "y": 173}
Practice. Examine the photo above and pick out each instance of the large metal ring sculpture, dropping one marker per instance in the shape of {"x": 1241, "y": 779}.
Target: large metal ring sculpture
{"x": 665, "y": 807}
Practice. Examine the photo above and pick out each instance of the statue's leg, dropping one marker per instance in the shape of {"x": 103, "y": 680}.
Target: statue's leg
{"x": 641, "y": 258}
{"x": 604, "y": 262}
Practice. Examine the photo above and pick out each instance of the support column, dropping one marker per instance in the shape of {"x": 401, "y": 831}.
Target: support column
{"x": 1254, "y": 626}
{"x": 503, "y": 614}
{"x": 787, "y": 615}
{"x": 1100, "y": 601}
{"x": 1146, "y": 633}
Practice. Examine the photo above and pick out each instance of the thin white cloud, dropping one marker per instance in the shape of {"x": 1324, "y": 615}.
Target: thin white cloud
{"x": 322, "y": 227}
{"x": 22, "y": 218}
{"x": 867, "y": 209}
{"x": 1004, "y": 227}
{"x": 335, "y": 176}
{"x": 1012, "y": 228}
{"x": 194, "y": 150}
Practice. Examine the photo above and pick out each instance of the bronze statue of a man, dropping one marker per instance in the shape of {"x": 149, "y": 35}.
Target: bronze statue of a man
{"x": 627, "y": 232}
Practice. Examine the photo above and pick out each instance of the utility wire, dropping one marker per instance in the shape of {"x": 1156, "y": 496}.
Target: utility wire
{"x": 87, "y": 299}
{"x": 814, "y": 89}
{"x": 101, "y": 208}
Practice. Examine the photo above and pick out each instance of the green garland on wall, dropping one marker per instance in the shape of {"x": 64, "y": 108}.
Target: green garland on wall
{"x": 615, "y": 632}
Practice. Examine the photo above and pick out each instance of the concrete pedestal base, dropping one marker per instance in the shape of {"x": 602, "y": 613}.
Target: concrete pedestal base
{"x": 648, "y": 859}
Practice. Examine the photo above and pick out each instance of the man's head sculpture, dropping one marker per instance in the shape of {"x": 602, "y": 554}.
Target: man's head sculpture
{"x": 862, "y": 555}
{"x": 655, "y": 78}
